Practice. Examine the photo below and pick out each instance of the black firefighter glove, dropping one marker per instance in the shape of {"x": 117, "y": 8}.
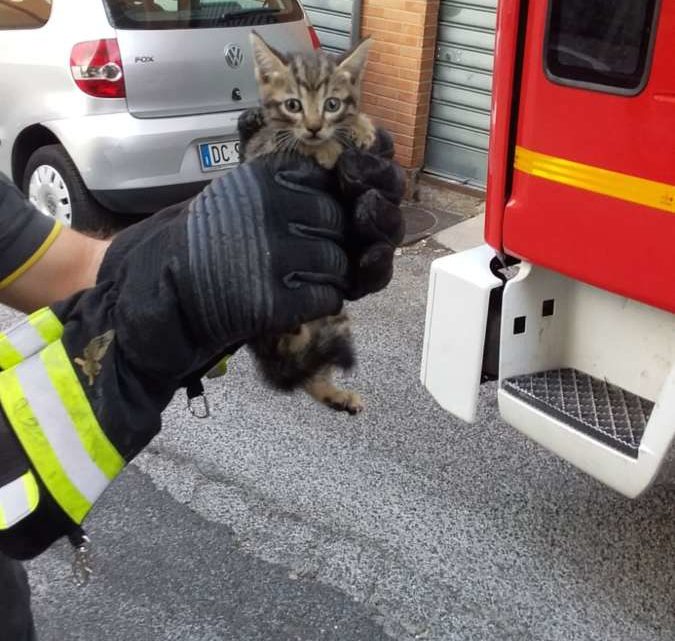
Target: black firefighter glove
{"x": 372, "y": 186}
{"x": 258, "y": 251}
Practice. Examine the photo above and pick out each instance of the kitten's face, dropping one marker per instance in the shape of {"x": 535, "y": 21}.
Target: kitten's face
{"x": 309, "y": 98}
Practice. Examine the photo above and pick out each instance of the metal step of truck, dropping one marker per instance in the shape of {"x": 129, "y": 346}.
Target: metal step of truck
{"x": 585, "y": 372}
{"x": 590, "y": 375}
{"x": 595, "y": 407}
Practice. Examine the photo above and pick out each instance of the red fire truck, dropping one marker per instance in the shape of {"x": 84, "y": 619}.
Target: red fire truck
{"x": 570, "y": 304}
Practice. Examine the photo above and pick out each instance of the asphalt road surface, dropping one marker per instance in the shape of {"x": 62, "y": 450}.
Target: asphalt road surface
{"x": 277, "y": 519}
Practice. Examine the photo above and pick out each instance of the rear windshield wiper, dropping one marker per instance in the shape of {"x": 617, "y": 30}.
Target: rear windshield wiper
{"x": 243, "y": 13}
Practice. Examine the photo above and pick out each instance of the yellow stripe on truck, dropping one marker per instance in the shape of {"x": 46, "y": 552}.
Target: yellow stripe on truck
{"x": 641, "y": 191}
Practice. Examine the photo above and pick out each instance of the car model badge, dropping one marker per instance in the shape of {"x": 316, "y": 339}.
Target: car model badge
{"x": 234, "y": 56}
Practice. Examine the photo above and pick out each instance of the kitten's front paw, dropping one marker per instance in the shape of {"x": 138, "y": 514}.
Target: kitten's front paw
{"x": 364, "y": 134}
{"x": 249, "y": 124}
{"x": 327, "y": 155}
{"x": 252, "y": 120}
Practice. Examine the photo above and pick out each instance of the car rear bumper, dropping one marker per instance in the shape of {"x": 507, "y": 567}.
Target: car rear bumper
{"x": 146, "y": 200}
{"x": 135, "y": 165}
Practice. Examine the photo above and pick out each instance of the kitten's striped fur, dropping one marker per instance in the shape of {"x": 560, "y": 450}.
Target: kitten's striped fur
{"x": 320, "y": 130}
{"x": 312, "y": 79}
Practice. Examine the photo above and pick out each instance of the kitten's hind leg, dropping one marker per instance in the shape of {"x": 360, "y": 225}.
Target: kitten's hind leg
{"x": 322, "y": 388}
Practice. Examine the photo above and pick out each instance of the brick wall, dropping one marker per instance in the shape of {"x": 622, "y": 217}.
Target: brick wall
{"x": 397, "y": 83}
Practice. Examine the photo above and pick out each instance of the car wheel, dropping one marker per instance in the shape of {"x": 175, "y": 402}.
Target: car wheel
{"x": 53, "y": 184}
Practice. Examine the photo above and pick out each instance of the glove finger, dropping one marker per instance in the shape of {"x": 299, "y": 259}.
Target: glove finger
{"x": 303, "y": 230}
{"x": 359, "y": 171}
{"x": 321, "y": 215}
{"x": 304, "y": 304}
{"x": 301, "y": 192}
{"x": 383, "y": 145}
{"x": 321, "y": 262}
{"x": 373, "y": 272}
{"x": 377, "y": 219}
{"x": 304, "y": 176}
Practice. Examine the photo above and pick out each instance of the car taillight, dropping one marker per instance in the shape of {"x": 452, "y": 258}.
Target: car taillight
{"x": 315, "y": 39}
{"x": 96, "y": 66}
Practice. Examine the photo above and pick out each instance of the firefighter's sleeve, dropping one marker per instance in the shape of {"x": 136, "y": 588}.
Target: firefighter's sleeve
{"x": 25, "y": 234}
{"x": 83, "y": 384}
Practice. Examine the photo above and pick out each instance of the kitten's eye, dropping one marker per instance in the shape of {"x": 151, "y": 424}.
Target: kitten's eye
{"x": 293, "y": 105}
{"x": 332, "y": 105}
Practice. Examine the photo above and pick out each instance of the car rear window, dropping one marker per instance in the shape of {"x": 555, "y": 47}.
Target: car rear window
{"x": 24, "y": 14}
{"x": 195, "y": 14}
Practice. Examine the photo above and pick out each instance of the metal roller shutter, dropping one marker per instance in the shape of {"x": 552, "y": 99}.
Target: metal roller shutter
{"x": 332, "y": 20}
{"x": 459, "y": 123}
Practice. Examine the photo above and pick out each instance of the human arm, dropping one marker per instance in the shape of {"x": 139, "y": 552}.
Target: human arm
{"x": 260, "y": 250}
{"x": 257, "y": 251}
{"x": 40, "y": 261}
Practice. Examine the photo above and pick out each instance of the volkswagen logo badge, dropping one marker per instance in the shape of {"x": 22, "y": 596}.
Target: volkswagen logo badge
{"x": 234, "y": 56}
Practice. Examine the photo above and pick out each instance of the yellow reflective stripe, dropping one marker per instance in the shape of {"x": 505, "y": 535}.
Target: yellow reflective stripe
{"x": 67, "y": 386}
{"x": 9, "y": 356}
{"x": 220, "y": 368}
{"x": 18, "y": 499}
{"x": 632, "y": 189}
{"x": 38, "y": 448}
{"x": 28, "y": 337}
{"x": 37, "y": 254}
{"x": 46, "y": 324}
{"x": 31, "y": 489}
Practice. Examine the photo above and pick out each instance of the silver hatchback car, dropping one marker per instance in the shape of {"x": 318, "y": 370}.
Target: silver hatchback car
{"x": 128, "y": 105}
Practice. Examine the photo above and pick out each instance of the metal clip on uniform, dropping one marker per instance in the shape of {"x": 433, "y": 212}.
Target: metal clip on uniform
{"x": 195, "y": 390}
{"x": 83, "y": 567}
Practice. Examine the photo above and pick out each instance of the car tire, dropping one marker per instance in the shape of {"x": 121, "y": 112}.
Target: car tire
{"x": 54, "y": 185}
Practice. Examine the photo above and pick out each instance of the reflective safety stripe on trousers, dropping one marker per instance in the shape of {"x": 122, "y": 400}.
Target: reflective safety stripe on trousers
{"x": 29, "y": 337}
{"x": 17, "y": 500}
{"x": 52, "y": 418}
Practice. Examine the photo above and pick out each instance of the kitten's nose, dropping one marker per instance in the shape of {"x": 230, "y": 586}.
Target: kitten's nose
{"x": 314, "y": 129}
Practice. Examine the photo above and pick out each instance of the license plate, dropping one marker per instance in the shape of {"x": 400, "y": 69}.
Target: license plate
{"x": 218, "y": 155}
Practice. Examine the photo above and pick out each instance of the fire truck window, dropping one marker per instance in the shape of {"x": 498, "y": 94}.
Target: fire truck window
{"x": 601, "y": 43}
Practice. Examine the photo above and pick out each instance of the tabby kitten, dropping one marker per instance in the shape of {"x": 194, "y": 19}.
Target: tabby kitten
{"x": 310, "y": 103}
{"x": 310, "y": 106}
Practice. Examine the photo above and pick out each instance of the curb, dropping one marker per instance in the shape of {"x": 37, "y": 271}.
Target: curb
{"x": 463, "y": 235}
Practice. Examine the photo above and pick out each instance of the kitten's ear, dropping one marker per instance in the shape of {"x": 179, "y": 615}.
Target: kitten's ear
{"x": 268, "y": 61}
{"x": 354, "y": 61}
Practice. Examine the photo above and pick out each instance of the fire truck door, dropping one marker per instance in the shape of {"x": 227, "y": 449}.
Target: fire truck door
{"x": 593, "y": 192}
